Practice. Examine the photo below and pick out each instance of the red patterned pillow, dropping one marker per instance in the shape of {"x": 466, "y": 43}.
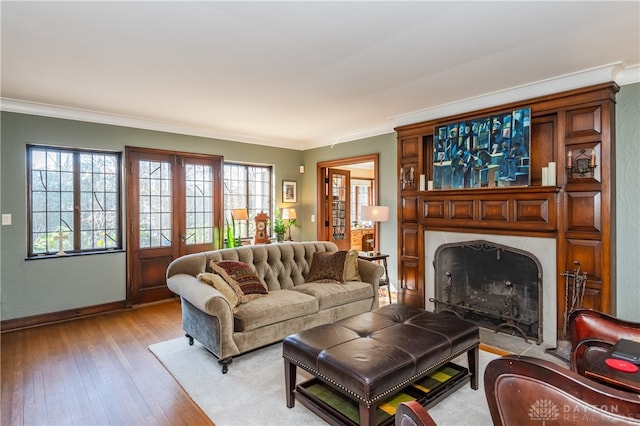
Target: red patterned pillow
{"x": 241, "y": 277}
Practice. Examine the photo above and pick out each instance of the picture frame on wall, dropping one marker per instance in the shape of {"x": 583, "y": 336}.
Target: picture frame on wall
{"x": 289, "y": 191}
{"x": 485, "y": 152}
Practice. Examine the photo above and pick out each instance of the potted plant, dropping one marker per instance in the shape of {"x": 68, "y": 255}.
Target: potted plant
{"x": 279, "y": 226}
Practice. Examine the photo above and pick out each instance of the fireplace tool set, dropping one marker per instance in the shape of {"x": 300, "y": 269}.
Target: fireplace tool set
{"x": 577, "y": 282}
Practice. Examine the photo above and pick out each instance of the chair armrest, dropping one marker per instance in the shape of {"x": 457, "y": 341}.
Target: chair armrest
{"x": 411, "y": 413}
{"x": 590, "y": 324}
{"x": 584, "y": 355}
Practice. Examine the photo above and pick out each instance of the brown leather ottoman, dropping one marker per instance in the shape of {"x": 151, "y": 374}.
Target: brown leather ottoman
{"x": 372, "y": 355}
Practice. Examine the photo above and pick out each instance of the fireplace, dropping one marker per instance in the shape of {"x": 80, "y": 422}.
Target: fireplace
{"x": 487, "y": 292}
{"x": 493, "y": 285}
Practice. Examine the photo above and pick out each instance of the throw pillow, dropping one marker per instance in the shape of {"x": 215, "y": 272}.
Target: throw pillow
{"x": 327, "y": 267}
{"x": 217, "y": 282}
{"x": 241, "y": 277}
{"x": 351, "y": 271}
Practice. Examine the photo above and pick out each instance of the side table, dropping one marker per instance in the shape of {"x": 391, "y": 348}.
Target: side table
{"x": 384, "y": 280}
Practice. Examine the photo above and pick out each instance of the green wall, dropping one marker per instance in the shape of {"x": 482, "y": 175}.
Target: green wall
{"x": 50, "y": 285}
{"x": 628, "y": 202}
{"x": 32, "y": 287}
{"x": 385, "y": 147}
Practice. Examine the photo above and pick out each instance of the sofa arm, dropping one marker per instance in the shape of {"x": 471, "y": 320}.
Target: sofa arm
{"x": 202, "y": 296}
{"x": 370, "y": 272}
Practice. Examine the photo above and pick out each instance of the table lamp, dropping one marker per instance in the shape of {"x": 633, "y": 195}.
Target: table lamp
{"x": 290, "y": 215}
{"x": 375, "y": 214}
{"x": 237, "y": 215}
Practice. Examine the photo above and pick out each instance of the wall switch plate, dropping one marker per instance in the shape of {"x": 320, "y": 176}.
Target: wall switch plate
{"x": 6, "y": 219}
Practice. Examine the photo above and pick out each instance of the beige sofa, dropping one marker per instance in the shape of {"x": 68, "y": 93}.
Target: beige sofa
{"x": 291, "y": 304}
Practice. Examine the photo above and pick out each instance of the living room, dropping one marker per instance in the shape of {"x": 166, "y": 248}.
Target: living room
{"x": 44, "y": 288}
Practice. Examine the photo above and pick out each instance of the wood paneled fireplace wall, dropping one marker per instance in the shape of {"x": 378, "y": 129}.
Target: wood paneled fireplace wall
{"x": 578, "y": 212}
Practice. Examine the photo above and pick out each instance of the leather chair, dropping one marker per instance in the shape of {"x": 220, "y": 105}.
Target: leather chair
{"x": 525, "y": 390}
{"x": 412, "y": 413}
{"x": 591, "y": 333}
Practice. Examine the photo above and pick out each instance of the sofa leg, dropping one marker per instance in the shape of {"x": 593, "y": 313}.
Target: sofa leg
{"x": 225, "y": 364}
{"x": 190, "y": 339}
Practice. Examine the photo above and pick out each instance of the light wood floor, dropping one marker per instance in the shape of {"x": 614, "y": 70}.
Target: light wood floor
{"x": 95, "y": 371}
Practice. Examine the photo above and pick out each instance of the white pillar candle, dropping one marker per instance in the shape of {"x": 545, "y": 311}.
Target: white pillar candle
{"x": 422, "y": 180}
{"x": 551, "y": 178}
{"x": 430, "y": 185}
{"x": 545, "y": 176}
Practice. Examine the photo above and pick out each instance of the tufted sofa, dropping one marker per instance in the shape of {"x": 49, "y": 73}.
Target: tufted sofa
{"x": 291, "y": 304}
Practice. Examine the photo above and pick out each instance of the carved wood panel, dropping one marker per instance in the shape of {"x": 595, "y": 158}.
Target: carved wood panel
{"x": 535, "y": 211}
{"x": 410, "y": 241}
{"x": 409, "y": 209}
{"x": 494, "y": 210}
{"x": 584, "y": 122}
{"x": 583, "y": 211}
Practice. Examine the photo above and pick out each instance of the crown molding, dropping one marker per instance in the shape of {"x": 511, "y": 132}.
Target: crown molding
{"x": 602, "y": 74}
{"x": 78, "y": 114}
{"x": 617, "y": 72}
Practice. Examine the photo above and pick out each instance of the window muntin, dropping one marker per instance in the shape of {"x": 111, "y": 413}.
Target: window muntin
{"x": 74, "y": 200}
{"x": 199, "y": 203}
{"x": 247, "y": 186}
{"x": 155, "y": 198}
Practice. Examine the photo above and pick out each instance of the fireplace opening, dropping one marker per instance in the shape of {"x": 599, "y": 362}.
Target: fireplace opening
{"x": 492, "y": 285}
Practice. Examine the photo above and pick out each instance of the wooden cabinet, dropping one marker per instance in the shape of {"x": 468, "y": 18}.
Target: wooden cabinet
{"x": 578, "y": 212}
{"x": 359, "y": 237}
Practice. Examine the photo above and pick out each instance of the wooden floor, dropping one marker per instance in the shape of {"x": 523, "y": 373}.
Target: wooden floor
{"x": 95, "y": 371}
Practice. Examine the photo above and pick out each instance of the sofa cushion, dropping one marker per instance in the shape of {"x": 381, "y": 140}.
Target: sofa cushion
{"x": 277, "y": 306}
{"x": 351, "y": 272}
{"x": 241, "y": 277}
{"x": 327, "y": 267}
{"x": 217, "y": 282}
{"x": 334, "y": 294}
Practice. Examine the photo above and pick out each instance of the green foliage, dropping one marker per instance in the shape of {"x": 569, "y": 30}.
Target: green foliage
{"x": 279, "y": 225}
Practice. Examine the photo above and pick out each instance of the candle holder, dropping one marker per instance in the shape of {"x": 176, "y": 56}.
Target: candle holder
{"x": 582, "y": 163}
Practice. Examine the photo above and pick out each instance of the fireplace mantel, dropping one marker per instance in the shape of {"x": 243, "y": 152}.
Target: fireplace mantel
{"x": 578, "y": 213}
{"x": 523, "y": 211}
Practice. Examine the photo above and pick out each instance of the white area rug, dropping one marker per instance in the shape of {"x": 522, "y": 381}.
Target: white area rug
{"x": 252, "y": 392}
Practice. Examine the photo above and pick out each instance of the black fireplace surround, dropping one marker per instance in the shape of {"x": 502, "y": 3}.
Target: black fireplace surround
{"x": 495, "y": 286}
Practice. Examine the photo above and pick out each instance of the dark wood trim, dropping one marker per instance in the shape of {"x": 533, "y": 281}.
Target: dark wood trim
{"x": 578, "y": 212}
{"x": 54, "y": 317}
{"x": 320, "y": 191}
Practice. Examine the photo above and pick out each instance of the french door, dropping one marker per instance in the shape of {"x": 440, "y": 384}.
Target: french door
{"x": 174, "y": 207}
{"x": 337, "y": 214}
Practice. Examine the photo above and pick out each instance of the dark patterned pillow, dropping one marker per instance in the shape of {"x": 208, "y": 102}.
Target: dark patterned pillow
{"x": 241, "y": 277}
{"x": 327, "y": 267}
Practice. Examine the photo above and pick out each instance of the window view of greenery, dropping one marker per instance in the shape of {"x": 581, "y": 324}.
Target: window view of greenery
{"x": 250, "y": 187}
{"x": 74, "y": 200}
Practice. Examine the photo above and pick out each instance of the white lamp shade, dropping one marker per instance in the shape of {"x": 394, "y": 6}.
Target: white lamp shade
{"x": 289, "y": 214}
{"x": 375, "y": 213}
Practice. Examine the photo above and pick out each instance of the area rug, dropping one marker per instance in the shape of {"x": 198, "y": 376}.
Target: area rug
{"x": 252, "y": 392}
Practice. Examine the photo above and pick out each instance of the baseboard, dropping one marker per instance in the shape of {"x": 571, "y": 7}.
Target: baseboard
{"x": 54, "y": 317}
{"x": 494, "y": 350}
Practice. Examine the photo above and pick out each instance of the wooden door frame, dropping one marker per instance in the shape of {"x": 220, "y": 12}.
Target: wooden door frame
{"x": 131, "y": 198}
{"x": 343, "y": 162}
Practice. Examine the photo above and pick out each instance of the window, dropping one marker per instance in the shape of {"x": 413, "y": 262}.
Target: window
{"x": 361, "y": 195}
{"x": 74, "y": 201}
{"x": 247, "y": 186}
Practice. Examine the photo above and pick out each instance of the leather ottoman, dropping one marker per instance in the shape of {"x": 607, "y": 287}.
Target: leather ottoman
{"x": 373, "y": 355}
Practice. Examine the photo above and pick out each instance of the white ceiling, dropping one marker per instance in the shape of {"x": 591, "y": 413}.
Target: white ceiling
{"x": 303, "y": 74}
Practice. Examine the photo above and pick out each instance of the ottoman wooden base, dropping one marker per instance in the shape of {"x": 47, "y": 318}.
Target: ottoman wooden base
{"x": 371, "y": 356}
